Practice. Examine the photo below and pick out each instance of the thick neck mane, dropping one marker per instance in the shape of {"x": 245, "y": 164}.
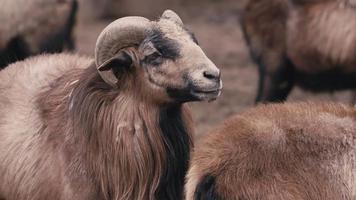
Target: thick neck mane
{"x": 130, "y": 148}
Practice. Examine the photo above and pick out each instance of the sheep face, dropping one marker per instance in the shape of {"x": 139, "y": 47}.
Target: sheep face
{"x": 174, "y": 64}
{"x": 162, "y": 56}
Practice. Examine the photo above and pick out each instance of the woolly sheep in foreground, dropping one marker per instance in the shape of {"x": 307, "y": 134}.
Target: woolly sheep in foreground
{"x": 292, "y": 151}
{"x": 114, "y": 129}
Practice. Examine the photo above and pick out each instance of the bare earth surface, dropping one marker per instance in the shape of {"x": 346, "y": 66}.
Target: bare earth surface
{"x": 218, "y": 31}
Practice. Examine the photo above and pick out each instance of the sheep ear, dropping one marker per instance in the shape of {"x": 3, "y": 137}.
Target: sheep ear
{"x": 120, "y": 61}
{"x": 172, "y": 16}
{"x": 112, "y": 68}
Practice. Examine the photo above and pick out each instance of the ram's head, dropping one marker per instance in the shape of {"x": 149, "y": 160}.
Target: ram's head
{"x": 163, "y": 56}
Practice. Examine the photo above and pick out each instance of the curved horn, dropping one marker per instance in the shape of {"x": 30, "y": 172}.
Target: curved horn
{"x": 172, "y": 16}
{"x": 124, "y": 32}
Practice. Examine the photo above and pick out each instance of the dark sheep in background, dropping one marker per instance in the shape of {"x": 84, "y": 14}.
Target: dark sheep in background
{"x": 304, "y": 151}
{"x": 307, "y": 43}
{"x": 30, "y": 27}
{"x": 118, "y": 128}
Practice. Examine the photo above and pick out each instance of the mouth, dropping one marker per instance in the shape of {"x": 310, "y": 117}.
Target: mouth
{"x": 206, "y": 94}
{"x": 196, "y": 93}
{"x": 215, "y": 91}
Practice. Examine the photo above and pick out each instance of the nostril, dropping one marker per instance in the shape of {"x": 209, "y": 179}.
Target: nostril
{"x": 211, "y": 75}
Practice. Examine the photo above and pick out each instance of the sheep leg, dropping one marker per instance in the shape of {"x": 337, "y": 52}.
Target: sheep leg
{"x": 275, "y": 87}
{"x": 275, "y": 79}
{"x": 70, "y": 44}
{"x": 264, "y": 27}
{"x": 15, "y": 50}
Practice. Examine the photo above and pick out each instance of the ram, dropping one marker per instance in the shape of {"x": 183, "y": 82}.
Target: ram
{"x": 300, "y": 151}
{"x": 34, "y": 27}
{"x": 306, "y": 43}
{"x": 116, "y": 128}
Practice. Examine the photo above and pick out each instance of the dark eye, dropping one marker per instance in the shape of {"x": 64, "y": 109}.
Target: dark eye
{"x": 154, "y": 58}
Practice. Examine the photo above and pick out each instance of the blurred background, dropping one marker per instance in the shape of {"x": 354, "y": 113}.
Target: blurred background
{"x": 217, "y": 28}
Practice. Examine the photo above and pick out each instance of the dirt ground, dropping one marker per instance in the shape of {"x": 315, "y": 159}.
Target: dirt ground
{"x": 215, "y": 24}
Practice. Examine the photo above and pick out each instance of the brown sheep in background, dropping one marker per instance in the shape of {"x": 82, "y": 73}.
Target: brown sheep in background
{"x": 114, "y": 129}
{"x": 307, "y": 43}
{"x": 30, "y": 27}
{"x": 278, "y": 152}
